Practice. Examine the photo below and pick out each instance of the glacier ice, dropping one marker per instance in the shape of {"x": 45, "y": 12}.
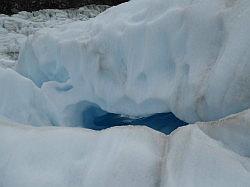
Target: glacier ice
{"x": 15, "y": 29}
{"x": 189, "y": 57}
{"x": 21, "y": 101}
{"x": 204, "y": 154}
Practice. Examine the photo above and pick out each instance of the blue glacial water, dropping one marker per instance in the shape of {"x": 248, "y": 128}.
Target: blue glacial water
{"x": 163, "y": 122}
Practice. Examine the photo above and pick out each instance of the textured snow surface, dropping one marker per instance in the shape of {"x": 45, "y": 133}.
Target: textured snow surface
{"x": 15, "y": 29}
{"x": 207, "y": 154}
{"x": 190, "y": 57}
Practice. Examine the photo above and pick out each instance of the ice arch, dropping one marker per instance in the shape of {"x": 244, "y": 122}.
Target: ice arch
{"x": 144, "y": 57}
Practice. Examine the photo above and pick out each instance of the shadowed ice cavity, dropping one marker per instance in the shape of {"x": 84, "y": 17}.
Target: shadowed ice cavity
{"x": 93, "y": 117}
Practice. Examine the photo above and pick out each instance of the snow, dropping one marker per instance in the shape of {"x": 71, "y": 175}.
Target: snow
{"x": 15, "y": 29}
{"x": 203, "y": 154}
{"x": 145, "y": 57}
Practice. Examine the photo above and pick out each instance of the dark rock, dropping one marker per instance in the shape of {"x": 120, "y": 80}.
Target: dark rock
{"x": 13, "y": 6}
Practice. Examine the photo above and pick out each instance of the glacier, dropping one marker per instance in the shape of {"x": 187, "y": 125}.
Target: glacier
{"x": 143, "y": 57}
{"x": 203, "y": 154}
{"x": 15, "y": 29}
{"x": 21, "y": 101}
{"x": 60, "y": 70}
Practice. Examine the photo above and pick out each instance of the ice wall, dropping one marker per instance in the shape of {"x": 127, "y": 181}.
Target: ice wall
{"x": 21, "y": 101}
{"x": 144, "y": 57}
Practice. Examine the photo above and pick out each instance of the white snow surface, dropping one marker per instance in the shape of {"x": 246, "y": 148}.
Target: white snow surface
{"x": 190, "y": 57}
{"x": 15, "y": 29}
{"x": 204, "y": 154}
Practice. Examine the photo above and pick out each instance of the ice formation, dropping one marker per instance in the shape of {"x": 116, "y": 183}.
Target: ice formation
{"x": 189, "y": 57}
{"x": 13, "y": 33}
{"x": 143, "y": 57}
{"x": 21, "y": 101}
{"x": 207, "y": 154}
{"x": 15, "y": 29}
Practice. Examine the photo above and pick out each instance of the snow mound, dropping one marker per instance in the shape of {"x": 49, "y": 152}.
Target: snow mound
{"x": 208, "y": 154}
{"x": 21, "y": 101}
{"x": 144, "y": 57}
{"x": 15, "y": 29}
